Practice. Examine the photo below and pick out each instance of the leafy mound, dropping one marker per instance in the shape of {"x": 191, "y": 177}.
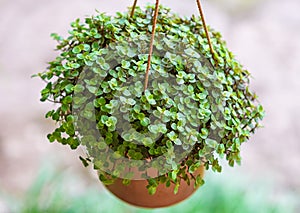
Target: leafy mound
{"x": 196, "y": 109}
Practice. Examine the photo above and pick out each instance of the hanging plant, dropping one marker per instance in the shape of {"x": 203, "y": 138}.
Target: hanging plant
{"x": 153, "y": 97}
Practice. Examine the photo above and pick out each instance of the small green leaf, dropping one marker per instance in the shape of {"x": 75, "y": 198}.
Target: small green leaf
{"x": 152, "y": 190}
{"x": 67, "y": 100}
{"x": 174, "y": 176}
{"x": 86, "y": 47}
{"x": 148, "y": 141}
{"x": 125, "y": 64}
{"x": 76, "y": 50}
{"x": 102, "y": 145}
{"x": 145, "y": 121}
{"x": 69, "y": 88}
{"x": 78, "y": 88}
{"x": 176, "y": 188}
{"x": 211, "y": 143}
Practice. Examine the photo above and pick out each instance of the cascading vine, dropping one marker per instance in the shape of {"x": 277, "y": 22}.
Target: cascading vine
{"x": 150, "y": 89}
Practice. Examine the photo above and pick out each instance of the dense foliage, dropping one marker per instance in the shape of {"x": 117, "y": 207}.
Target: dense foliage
{"x": 197, "y": 108}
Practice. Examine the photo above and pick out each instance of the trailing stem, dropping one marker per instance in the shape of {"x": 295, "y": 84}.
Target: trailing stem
{"x": 151, "y": 44}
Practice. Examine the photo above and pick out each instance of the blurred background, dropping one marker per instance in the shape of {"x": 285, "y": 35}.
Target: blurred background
{"x": 36, "y": 176}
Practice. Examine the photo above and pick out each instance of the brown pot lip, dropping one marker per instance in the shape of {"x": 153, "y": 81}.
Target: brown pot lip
{"x": 152, "y": 205}
{"x": 136, "y": 194}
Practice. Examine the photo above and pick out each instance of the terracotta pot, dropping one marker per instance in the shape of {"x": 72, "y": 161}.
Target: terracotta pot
{"x": 137, "y": 194}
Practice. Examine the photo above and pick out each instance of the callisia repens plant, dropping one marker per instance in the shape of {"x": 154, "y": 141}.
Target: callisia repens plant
{"x": 196, "y": 109}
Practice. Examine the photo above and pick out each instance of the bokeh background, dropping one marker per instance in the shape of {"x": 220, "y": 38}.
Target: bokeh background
{"x": 36, "y": 176}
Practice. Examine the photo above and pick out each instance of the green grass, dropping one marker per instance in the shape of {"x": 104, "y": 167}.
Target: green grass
{"x": 61, "y": 192}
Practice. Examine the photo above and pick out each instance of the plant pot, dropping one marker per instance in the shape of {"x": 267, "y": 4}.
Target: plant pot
{"x": 137, "y": 194}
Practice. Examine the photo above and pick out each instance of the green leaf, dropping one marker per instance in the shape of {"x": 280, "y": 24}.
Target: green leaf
{"x": 101, "y": 145}
{"x": 211, "y": 143}
{"x": 125, "y": 64}
{"x": 69, "y": 88}
{"x": 174, "y": 176}
{"x": 168, "y": 183}
{"x": 204, "y": 133}
{"x": 145, "y": 121}
{"x": 67, "y": 100}
{"x": 78, "y": 88}
{"x": 147, "y": 141}
{"x": 152, "y": 190}
{"x": 104, "y": 118}
{"x": 176, "y": 188}
{"x": 86, "y": 47}
{"x": 76, "y": 50}
{"x": 150, "y": 97}
{"x": 178, "y": 142}
{"x": 105, "y": 67}
{"x": 172, "y": 136}
{"x": 56, "y": 37}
